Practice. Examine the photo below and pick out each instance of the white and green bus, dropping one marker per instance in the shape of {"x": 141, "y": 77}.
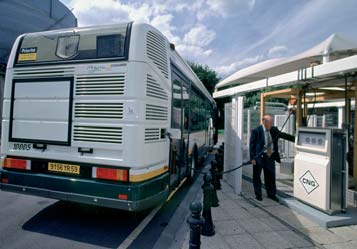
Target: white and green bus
{"x": 108, "y": 115}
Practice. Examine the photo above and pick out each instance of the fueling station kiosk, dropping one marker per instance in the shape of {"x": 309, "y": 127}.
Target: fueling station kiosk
{"x": 319, "y": 177}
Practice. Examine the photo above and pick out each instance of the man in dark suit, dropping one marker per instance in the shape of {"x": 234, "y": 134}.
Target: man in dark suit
{"x": 263, "y": 147}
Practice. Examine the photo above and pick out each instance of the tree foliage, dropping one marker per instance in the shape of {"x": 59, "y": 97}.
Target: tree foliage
{"x": 208, "y": 76}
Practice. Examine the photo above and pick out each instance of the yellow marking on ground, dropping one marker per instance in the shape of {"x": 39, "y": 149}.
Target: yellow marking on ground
{"x": 175, "y": 190}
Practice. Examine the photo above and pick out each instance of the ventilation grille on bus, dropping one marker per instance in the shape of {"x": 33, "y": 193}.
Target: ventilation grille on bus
{"x": 157, "y": 52}
{"x": 99, "y": 134}
{"x": 100, "y": 84}
{"x": 43, "y": 72}
{"x": 153, "y": 88}
{"x": 152, "y": 134}
{"x": 156, "y": 112}
{"x": 99, "y": 110}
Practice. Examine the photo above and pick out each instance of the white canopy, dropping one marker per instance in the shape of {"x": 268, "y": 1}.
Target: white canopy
{"x": 333, "y": 48}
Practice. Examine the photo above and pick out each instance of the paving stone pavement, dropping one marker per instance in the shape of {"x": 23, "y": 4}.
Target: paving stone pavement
{"x": 241, "y": 222}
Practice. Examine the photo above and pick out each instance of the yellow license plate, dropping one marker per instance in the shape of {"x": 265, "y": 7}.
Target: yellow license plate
{"x": 64, "y": 168}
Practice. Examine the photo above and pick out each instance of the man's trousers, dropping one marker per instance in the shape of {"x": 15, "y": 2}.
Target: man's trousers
{"x": 268, "y": 166}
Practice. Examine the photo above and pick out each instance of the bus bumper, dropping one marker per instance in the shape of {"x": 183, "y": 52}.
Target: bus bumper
{"x": 85, "y": 191}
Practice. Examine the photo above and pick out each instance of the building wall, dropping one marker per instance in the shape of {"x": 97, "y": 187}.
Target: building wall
{"x": 24, "y": 16}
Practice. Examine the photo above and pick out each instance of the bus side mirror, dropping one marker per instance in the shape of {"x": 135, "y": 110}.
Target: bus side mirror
{"x": 173, "y": 133}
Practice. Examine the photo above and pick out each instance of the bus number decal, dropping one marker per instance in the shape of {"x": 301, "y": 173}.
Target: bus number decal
{"x": 22, "y": 147}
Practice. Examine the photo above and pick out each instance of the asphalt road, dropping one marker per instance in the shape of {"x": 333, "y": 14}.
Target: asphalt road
{"x": 40, "y": 223}
{"x": 33, "y": 222}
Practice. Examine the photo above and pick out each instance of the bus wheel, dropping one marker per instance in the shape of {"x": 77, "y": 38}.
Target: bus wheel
{"x": 194, "y": 164}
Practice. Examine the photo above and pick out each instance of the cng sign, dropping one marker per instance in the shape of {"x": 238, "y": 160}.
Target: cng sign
{"x": 308, "y": 182}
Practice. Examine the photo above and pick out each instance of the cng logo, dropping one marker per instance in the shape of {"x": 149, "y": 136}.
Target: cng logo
{"x": 308, "y": 182}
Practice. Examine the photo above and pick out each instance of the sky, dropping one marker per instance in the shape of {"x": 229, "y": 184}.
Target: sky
{"x": 228, "y": 35}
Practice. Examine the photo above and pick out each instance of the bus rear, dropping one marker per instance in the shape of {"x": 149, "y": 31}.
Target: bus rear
{"x": 85, "y": 115}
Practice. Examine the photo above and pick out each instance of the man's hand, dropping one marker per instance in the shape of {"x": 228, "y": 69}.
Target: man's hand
{"x": 254, "y": 162}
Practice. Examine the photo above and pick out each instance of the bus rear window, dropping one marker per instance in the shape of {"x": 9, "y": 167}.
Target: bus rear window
{"x": 73, "y": 45}
{"x": 109, "y": 46}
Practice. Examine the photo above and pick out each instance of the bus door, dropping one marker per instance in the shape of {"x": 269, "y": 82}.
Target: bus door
{"x": 180, "y": 120}
{"x": 186, "y": 127}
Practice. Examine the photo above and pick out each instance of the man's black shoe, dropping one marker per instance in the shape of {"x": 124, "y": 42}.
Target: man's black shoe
{"x": 274, "y": 198}
{"x": 259, "y": 198}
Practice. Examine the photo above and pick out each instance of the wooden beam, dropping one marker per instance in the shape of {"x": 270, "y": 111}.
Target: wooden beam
{"x": 330, "y": 96}
{"x": 355, "y": 141}
{"x": 284, "y": 96}
{"x": 283, "y": 93}
{"x": 290, "y": 92}
{"x": 262, "y": 106}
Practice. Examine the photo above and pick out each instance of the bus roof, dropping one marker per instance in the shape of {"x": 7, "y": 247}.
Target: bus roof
{"x": 78, "y": 29}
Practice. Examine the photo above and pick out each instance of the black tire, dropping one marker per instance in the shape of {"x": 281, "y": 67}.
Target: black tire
{"x": 193, "y": 165}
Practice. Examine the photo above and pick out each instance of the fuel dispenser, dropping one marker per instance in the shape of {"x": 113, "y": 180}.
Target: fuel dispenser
{"x": 319, "y": 178}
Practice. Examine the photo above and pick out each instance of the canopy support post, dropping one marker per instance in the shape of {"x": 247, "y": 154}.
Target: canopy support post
{"x": 262, "y": 106}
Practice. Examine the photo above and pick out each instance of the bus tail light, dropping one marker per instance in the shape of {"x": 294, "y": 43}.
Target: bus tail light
{"x": 123, "y": 197}
{"x": 13, "y": 163}
{"x": 111, "y": 174}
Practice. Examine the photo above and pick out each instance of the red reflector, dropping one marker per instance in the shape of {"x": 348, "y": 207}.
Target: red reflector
{"x": 122, "y": 197}
{"x": 5, "y": 180}
{"x": 13, "y": 163}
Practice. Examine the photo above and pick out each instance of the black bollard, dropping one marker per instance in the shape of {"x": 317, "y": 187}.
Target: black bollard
{"x": 207, "y": 227}
{"x": 215, "y": 176}
{"x": 195, "y": 220}
{"x": 215, "y": 201}
{"x": 219, "y": 159}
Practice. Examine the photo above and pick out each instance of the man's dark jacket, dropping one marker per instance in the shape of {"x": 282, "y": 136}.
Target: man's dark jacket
{"x": 257, "y": 141}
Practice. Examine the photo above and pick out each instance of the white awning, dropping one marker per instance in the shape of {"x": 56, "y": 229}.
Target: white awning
{"x": 314, "y": 75}
{"x": 333, "y": 48}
